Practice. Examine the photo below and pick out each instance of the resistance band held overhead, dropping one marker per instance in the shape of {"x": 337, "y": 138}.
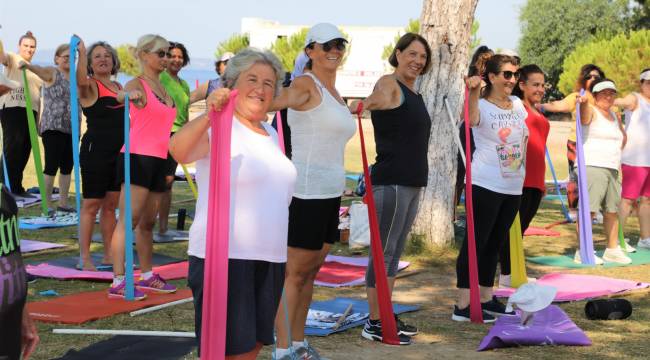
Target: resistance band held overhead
{"x": 389, "y": 328}
{"x": 128, "y": 225}
{"x": 567, "y": 217}
{"x": 215, "y": 278}
{"x": 36, "y": 150}
{"x": 475, "y": 310}
{"x": 584, "y": 215}
{"x": 74, "y": 121}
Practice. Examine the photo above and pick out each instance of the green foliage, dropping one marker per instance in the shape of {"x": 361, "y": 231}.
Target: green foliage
{"x": 621, "y": 57}
{"x": 233, "y": 44}
{"x": 128, "y": 63}
{"x": 475, "y": 41}
{"x": 640, "y": 18}
{"x": 551, "y": 29}
{"x": 288, "y": 48}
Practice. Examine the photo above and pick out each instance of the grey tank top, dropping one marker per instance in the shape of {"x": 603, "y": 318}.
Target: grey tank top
{"x": 56, "y": 106}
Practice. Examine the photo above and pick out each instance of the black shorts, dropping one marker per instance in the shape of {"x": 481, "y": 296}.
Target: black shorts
{"x": 57, "y": 147}
{"x": 254, "y": 292}
{"x": 146, "y": 171}
{"x": 98, "y": 170}
{"x": 313, "y": 222}
{"x": 170, "y": 164}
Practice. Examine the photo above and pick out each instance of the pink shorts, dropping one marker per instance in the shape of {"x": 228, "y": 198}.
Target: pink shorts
{"x": 636, "y": 181}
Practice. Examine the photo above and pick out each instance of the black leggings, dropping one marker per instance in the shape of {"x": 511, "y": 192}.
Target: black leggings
{"x": 57, "y": 146}
{"x": 16, "y": 145}
{"x": 493, "y": 215}
{"x": 530, "y": 200}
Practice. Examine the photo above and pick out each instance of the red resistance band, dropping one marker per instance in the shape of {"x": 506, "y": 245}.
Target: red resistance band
{"x": 389, "y": 328}
{"x": 476, "y": 313}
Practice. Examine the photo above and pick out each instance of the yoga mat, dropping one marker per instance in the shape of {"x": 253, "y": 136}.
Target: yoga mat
{"x": 74, "y": 121}
{"x": 34, "y": 245}
{"x": 134, "y": 348}
{"x": 170, "y": 236}
{"x": 584, "y": 216}
{"x": 389, "y": 328}
{"x": 33, "y": 138}
{"x": 517, "y": 257}
{"x": 44, "y": 270}
{"x": 129, "y": 289}
{"x": 88, "y": 306}
{"x": 27, "y": 202}
{"x": 339, "y": 271}
{"x": 338, "y": 305}
{"x": 44, "y": 222}
{"x": 640, "y": 257}
{"x": 550, "y": 326}
{"x": 576, "y": 287}
{"x": 215, "y": 291}
{"x": 557, "y": 186}
{"x": 71, "y": 262}
{"x": 535, "y": 231}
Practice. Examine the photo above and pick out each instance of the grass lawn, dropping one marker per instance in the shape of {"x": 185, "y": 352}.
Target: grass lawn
{"x": 432, "y": 289}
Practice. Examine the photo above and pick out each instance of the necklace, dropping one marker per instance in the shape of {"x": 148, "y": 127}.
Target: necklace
{"x": 160, "y": 88}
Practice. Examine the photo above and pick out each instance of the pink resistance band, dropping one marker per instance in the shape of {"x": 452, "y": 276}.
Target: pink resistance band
{"x": 383, "y": 296}
{"x": 215, "y": 276}
{"x": 278, "y": 124}
{"x": 475, "y": 311}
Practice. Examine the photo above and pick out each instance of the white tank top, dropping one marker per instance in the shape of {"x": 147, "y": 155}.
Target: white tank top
{"x": 318, "y": 138}
{"x": 637, "y": 127}
{"x": 261, "y": 186}
{"x": 601, "y": 141}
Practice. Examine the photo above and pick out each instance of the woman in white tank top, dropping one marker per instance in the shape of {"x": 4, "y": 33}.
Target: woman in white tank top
{"x": 321, "y": 125}
{"x": 636, "y": 157}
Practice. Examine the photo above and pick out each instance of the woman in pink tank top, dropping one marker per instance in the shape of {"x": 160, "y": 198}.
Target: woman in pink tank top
{"x": 152, "y": 116}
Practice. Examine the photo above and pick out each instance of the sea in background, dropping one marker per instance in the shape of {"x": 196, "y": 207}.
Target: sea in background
{"x": 191, "y": 75}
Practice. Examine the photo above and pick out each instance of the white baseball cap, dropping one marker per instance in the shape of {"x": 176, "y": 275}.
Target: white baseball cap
{"x": 322, "y": 33}
{"x": 226, "y": 56}
{"x": 645, "y": 75}
{"x": 508, "y": 52}
{"x": 604, "y": 86}
{"x": 532, "y": 297}
{"x": 4, "y": 81}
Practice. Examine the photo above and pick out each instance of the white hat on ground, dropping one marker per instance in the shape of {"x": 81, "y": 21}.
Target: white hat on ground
{"x": 532, "y": 297}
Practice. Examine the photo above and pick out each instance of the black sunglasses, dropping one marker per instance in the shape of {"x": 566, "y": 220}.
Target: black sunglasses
{"x": 338, "y": 43}
{"x": 592, "y": 77}
{"x": 509, "y": 74}
{"x": 162, "y": 53}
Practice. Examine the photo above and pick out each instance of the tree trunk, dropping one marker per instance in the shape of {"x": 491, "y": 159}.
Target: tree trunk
{"x": 446, "y": 24}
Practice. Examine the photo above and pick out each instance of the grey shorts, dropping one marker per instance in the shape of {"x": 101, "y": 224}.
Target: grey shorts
{"x": 604, "y": 189}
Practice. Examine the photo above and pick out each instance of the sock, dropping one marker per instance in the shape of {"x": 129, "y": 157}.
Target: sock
{"x": 279, "y": 353}
{"x": 117, "y": 280}
{"x": 298, "y": 344}
{"x": 147, "y": 275}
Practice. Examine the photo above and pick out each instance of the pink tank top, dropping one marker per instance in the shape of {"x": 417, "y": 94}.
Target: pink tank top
{"x": 150, "y": 126}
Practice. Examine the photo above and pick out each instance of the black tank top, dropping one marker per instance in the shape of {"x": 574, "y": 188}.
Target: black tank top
{"x": 402, "y": 140}
{"x": 105, "y": 121}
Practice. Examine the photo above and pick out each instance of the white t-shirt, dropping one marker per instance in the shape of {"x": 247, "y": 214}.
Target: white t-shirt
{"x": 601, "y": 141}
{"x": 262, "y": 181}
{"x": 500, "y": 157}
{"x": 16, "y": 97}
{"x": 637, "y": 125}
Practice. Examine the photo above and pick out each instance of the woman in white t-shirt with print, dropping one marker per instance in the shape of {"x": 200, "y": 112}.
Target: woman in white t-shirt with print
{"x": 262, "y": 184}
{"x": 498, "y": 122}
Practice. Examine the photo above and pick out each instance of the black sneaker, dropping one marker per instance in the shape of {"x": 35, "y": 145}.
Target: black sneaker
{"x": 463, "y": 315}
{"x": 31, "y": 279}
{"x": 405, "y": 329}
{"x": 494, "y": 307}
{"x": 372, "y": 331}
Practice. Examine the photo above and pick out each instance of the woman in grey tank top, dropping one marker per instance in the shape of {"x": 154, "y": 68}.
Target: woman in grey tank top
{"x": 321, "y": 125}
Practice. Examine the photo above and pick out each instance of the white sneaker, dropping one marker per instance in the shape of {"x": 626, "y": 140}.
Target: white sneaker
{"x": 577, "y": 259}
{"x": 628, "y": 248}
{"x": 616, "y": 256}
{"x": 643, "y": 243}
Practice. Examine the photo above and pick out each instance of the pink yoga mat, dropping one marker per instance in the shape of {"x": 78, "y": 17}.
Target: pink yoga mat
{"x": 575, "y": 287}
{"x": 535, "y": 231}
{"x": 34, "y": 245}
{"x": 339, "y": 271}
{"x": 169, "y": 272}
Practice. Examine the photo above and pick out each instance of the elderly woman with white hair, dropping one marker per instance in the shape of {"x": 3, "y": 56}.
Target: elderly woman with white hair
{"x": 152, "y": 116}
{"x": 262, "y": 182}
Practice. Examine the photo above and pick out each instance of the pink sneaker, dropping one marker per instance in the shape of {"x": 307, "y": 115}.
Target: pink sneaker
{"x": 156, "y": 284}
{"x": 118, "y": 292}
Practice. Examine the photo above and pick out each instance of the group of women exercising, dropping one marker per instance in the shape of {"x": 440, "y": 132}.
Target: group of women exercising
{"x": 284, "y": 212}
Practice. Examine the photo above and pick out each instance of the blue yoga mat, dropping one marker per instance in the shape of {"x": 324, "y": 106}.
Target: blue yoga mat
{"x": 338, "y": 305}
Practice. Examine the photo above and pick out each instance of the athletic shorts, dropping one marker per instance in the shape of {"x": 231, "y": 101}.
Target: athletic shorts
{"x": 636, "y": 181}
{"x": 170, "y": 164}
{"x": 98, "y": 170}
{"x": 57, "y": 147}
{"x": 313, "y": 222}
{"x": 146, "y": 171}
{"x": 254, "y": 291}
{"x": 604, "y": 189}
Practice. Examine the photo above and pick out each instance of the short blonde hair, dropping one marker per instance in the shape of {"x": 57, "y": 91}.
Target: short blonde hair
{"x": 150, "y": 43}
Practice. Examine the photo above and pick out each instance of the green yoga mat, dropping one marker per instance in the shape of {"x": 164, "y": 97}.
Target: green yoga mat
{"x": 640, "y": 257}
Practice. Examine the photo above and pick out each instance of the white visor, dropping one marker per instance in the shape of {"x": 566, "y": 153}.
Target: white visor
{"x": 645, "y": 75}
{"x": 604, "y": 86}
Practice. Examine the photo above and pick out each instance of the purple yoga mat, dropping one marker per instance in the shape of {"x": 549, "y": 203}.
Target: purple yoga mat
{"x": 584, "y": 215}
{"x": 575, "y": 287}
{"x": 63, "y": 273}
{"x": 550, "y": 326}
{"x": 34, "y": 245}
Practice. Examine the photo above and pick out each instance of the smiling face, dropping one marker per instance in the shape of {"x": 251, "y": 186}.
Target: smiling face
{"x": 101, "y": 61}
{"x": 605, "y": 98}
{"x": 504, "y": 81}
{"x": 412, "y": 60}
{"x": 63, "y": 60}
{"x": 175, "y": 62}
{"x": 27, "y": 48}
{"x": 256, "y": 88}
{"x": 330, "y": 59}
{"x": 533, "y": 88}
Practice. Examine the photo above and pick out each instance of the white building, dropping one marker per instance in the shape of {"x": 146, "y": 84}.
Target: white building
{"x": 363, "y": 65}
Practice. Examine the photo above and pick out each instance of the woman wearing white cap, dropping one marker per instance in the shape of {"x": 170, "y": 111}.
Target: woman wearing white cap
{"x": 321, "y": 125}
{"x": 205, "y": 89}
{"x": 602, "y": 140}
{"x": 636, "y": 157}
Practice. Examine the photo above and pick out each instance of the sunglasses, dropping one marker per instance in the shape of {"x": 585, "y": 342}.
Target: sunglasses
{"x": 592, "y": 77}
{"x": 162, "y": 53}
{"x": 509, "y": 74}
{"x": 338, "y": 43}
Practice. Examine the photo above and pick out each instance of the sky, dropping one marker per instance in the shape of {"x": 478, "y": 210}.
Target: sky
{"x": 202, "y": 24}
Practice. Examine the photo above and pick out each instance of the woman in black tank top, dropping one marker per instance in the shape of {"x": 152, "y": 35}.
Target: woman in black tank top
{"x": 401, "y": 127}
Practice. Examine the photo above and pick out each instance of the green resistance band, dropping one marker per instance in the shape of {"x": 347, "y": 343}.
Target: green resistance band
{"x": 36, "y": 150}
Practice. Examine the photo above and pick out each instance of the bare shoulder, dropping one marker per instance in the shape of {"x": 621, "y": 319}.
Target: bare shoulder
{"x": 304, "y": 82}
{"x": 134, "y": 84}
